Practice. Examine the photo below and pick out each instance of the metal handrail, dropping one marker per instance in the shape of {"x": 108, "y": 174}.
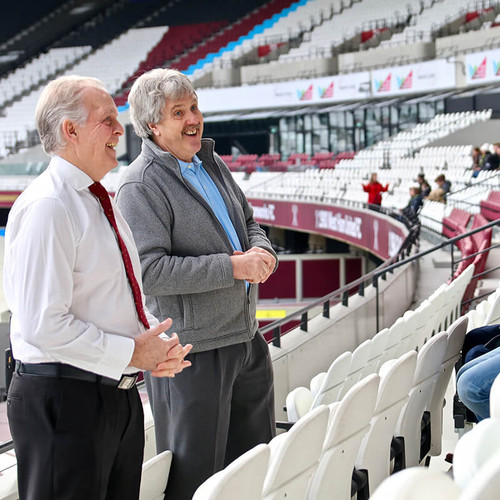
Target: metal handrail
{"x": 375, "y": 275}
{"x": 342, "y": 292}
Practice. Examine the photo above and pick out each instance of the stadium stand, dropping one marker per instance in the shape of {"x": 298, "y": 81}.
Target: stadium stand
{"x": 371, "y": 392}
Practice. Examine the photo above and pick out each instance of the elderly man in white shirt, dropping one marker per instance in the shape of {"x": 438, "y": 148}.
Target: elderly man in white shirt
{"x": 80, "y": 332}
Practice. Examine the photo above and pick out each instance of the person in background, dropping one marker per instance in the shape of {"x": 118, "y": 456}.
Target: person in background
{"x": 79, "y": 329}
{"x": 443, "y": 188}
{"x": 425, "y": 188}
{"x": 492, "y": 162}
{"x": 416, "y": 200}
{"x": 203, "y": 256}
{"x": 374, "y": 190}
{"x": 443, "y": 184}
{"x": 486, "y": 151}
{"x": 476, "y": 158}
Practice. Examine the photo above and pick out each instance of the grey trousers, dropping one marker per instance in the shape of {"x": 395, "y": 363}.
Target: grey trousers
{"x": 213, "y": 412}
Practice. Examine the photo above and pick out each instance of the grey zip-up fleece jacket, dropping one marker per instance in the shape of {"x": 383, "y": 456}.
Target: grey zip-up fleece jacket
{"x": 186, "y": 270}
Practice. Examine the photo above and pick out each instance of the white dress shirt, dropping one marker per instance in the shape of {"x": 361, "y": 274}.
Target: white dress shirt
{"x": 64, "y": 277}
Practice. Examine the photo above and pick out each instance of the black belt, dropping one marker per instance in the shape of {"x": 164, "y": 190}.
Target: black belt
{"x": 67, "y": 371}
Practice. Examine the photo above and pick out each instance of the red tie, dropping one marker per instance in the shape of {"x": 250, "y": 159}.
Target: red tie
{"x": 98, "y": 190}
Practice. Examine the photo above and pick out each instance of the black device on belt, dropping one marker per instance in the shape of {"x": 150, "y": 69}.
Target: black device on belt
{"x": 67, "y": 371}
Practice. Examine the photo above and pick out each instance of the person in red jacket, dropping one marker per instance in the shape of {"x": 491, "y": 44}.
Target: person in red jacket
{"x": 374, "y": 190}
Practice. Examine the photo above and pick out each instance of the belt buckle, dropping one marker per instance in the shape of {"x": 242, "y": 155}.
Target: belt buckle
{"x": 128, "y": 381}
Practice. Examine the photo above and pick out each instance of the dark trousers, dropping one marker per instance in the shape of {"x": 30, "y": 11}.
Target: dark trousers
{"x": 213, "y": 412}
{"x": 75, "y": 440}
{"x": 475, "y": 339}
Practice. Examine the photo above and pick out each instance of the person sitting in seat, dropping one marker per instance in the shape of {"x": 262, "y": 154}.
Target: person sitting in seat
{"x": 474, "y": 381}
{"x": 439, "y": 193}
{"x": 416, "y": 200}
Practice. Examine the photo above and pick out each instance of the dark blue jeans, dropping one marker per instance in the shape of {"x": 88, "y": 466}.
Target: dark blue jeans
{"x": 474, "y": 381}
{"x": 475, "y": 340}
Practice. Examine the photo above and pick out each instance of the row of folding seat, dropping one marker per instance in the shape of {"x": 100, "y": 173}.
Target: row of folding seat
{"x": 486, "y": 312}
{"x": 314, "y": 460}
{"x": 37, "y": 70}
{"x": 315, "y": 447}
{"x": 429, "y": 21}
{"x": 108, "y": 64}
{"x": 310, "y": 461}
{"x": 476, "y": 467}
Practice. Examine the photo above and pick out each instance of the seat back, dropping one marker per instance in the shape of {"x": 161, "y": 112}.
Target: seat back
{"x": 427, "y": 370}
{"x": 437, "y": 315}
{"x": 495, "y": 398}
{"x": 486, "y": 484}
{"x": 374, "y": 455}
{"x": 474, "y": 449}
{"x": 456, "y": 335}
{"x": 298, "y": 403}
{"x": 417, "y": 483}
{"x": 493, "y": 315}
{"x": 408, "y": 338}
{"x": 155, "y": 476}
{"x": 377, "y": 348}
{"x": 359, "y": 359}
{"x": 242, "y": 479}
{"x": 316, "y": 383}
{"x": 423, "y": 326}
{"x": 346, "y": 428}
{"x": 295, "y": 456}
{"x": 149, "y": 433}
{"x": 333, "y": 381}
{"x": 393, "y": 341}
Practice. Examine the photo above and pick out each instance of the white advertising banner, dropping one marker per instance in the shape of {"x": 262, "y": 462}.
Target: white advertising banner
{"x": 482, "y": 67}
{"x": 291, "y": 93}
{"x": 418, "y": 77}
{"x": 411, "y": 78}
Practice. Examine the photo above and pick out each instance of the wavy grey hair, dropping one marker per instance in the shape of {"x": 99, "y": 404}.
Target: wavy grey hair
{"x": 151, "y": 92}
{"x": 62, "y": 99}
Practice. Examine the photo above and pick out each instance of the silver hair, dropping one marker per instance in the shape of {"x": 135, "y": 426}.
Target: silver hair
{"x": 151, "y": 92}
{"x": 62, "y": 99}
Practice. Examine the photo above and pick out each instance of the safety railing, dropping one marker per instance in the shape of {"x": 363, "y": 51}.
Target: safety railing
{"x": 342, "y": 294}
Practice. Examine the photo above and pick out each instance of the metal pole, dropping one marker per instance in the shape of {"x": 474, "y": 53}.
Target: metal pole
{"x": 375, "y": 284}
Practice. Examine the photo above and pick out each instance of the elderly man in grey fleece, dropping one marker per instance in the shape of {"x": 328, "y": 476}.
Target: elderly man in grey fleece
{"x": 202, "y": 256}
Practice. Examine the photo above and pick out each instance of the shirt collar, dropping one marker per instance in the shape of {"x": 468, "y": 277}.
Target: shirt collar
{"x": 70, "y": 173}
{"x": 194, "y": 165}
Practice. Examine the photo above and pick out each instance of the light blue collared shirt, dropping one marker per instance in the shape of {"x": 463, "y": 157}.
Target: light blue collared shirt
{"x": 199, "y": 178}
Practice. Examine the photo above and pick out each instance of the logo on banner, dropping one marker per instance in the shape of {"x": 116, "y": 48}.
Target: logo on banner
{"x": 326, "y": 93}
{"x": 305, "y": 95}
{"x": 394, "y": 243}
{"x": 344, "y": 224}
{"x": 477, "y": 72}
{"x": 295, "y": 215}
{"x": 375, "y": 234}
{"x": 405, "y": 83}
{"x": 265, "y": 212}
{"x": 496, "y": 68}
{"x": 383, "y": 85}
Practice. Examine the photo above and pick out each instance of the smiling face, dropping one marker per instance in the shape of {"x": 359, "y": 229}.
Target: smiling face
{"x": 91, "y": 146}
{"x": 181, "y": 128}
